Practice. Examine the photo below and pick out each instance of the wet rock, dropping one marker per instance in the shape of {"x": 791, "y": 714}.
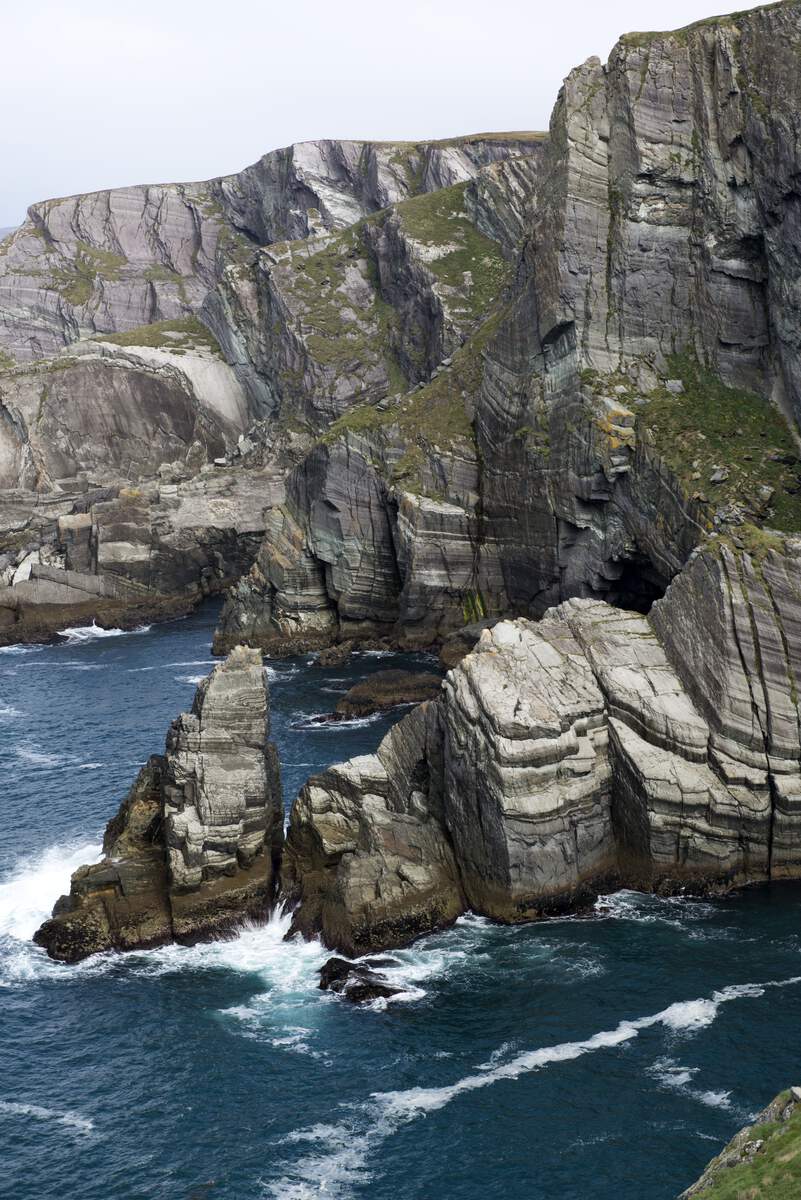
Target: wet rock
{"x": 357, "y": 982}
{"x": 334, "y": 656}
{"x": 387, "y": 689}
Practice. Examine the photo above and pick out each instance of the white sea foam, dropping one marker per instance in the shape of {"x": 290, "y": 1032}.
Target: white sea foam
{"x": 346, "y": 1148}
{"x": 27, "y": 896}
{"x": 646, "y": 908}
{"x": 309, "y": 721}
{"x": 196, "y": 679}
{"x": 72, "y": 1120}
{"x": 89, "y": 633}
{"x": 38, "y": 758}
{"x": 8, "y": 712}
{"x": 670, "y": 1074}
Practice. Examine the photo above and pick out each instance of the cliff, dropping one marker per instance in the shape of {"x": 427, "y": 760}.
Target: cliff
{"x": 761, "y": 1161}
{"x": 194, "y": 848}
{"x": 632, "y": 388}
{"x": 593, "y": 748}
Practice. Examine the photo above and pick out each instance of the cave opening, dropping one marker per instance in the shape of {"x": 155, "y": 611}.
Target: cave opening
{"x": 638, "y": 585}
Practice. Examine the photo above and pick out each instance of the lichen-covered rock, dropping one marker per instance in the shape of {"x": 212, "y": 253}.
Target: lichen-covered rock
{"x": 194, "y": 848}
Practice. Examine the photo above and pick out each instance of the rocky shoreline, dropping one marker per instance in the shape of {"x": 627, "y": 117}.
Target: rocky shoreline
{"x": 593, "y": 748}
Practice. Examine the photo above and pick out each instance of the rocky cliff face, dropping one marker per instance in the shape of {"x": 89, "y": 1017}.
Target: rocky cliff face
{"x": 629, "y": 393}
{"x": 331, "y": 274}
{"x": 108, "y": 262}
{"x": 592, "y": 747}
{"x": 194, "y": 848}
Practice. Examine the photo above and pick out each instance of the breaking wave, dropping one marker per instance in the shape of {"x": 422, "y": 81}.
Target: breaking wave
{"x": 89, "y": 633}
{"x": 72, "y": 1120}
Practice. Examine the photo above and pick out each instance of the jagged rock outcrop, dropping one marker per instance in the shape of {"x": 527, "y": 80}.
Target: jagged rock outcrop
{"x": 360, "y": 315}
{"x": 593, "y": 747}
{"x": 367, "y": 862}
{"x": 760, "y": 1160}
{"x": 194, "y": 849}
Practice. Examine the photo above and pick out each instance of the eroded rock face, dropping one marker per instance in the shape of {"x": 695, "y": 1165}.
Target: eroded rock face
{"x": 194, "y": 848}
{"x": 112, "y": 261}
{"x": 367, "y": 862}
{"x": 594, "y": 747}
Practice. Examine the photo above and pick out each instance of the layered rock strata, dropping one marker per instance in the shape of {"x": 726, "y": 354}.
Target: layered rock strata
{"x": 194, "y": 848}
{"x": 594, "y": 747}
{"x": 108, "y": 262}
{"x": 367, "y": 862}
{"x": 625, "y": 394}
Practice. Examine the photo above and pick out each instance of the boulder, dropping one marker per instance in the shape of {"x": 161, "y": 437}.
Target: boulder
{"x": 358, "y": 982}
{"x": 388, "y": 689}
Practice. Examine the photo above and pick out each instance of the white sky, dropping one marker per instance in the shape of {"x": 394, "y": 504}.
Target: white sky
{"x": 99, "y": 93}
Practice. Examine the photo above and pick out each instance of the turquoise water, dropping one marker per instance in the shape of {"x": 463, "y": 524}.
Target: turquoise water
{"x": 603, "y": 1058}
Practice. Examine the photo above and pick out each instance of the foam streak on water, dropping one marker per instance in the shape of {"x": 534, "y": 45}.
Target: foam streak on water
{"x": 347, "y": 1147}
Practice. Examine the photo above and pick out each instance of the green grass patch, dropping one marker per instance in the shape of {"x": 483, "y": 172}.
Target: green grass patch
{"x": 469, "y": 263}
{"x": 75, "y": 280}
{"x": 683, "y": 34}
{"x": 775, "y": 1171}
{"x": 187, "y": 333}
{"x": 710, "y": 425}
{"x": 6, "y": 361}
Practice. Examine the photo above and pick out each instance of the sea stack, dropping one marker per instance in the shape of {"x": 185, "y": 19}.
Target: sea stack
{"x": 194, "y": 847}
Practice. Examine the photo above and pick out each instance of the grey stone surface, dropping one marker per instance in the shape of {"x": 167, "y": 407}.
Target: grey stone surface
{"x": 594, "y": 747}
{"x": 194, "y": 848}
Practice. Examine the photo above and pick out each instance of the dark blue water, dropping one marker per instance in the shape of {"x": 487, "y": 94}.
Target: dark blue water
{"x": 602, "y": 1058}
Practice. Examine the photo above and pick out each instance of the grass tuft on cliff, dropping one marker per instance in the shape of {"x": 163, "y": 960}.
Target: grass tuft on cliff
{"x": 774, "y": 1172}
{"x": 187, "y": 333}
{"x": 711, "y": 425}
{"x": 75, "y": 279}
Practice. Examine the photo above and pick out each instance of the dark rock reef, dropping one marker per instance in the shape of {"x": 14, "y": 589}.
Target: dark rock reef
{"x": 195, "y": 847}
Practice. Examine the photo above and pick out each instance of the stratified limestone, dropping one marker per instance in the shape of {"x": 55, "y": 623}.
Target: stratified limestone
{"x": 193, "y": 851}
{"x": 526, "y": 782}
{"x": 594, "y": 747}
{"x": 367, "y": 862}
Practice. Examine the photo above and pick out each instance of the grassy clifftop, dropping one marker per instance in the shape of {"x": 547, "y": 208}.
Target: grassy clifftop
{"x": 763, "y": 1161}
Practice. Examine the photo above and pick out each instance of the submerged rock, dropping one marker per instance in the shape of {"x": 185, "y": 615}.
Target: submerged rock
{"x": 194, "y": 848}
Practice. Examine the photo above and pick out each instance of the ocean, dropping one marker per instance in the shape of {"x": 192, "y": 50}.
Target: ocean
{"x": 606, "y": 1056}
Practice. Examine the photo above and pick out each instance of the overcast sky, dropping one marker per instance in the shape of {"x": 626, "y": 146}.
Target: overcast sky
{"x": 98, "y": 94}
